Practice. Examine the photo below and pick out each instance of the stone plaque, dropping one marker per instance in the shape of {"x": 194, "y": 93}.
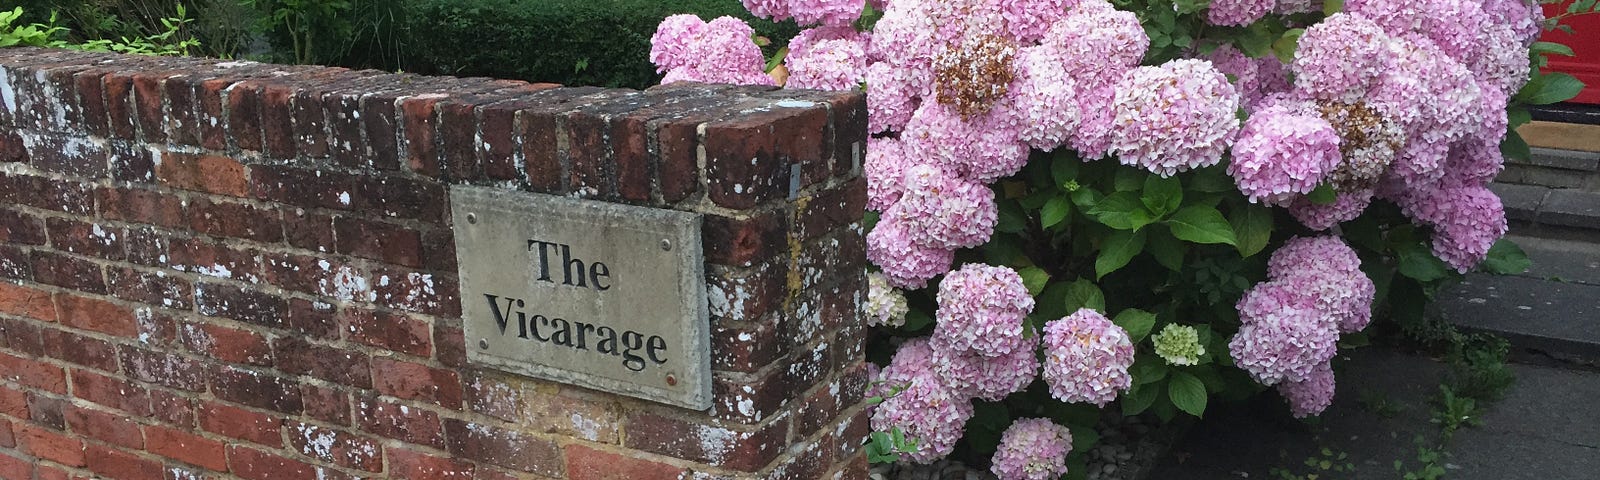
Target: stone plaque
{"x": 602, "y": 295}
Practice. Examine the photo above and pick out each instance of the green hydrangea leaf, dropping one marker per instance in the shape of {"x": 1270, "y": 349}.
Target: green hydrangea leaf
{"x": 1117, "y": 249}
{"x": 1187, "y": 393}
{"x": 1201, "y": 224}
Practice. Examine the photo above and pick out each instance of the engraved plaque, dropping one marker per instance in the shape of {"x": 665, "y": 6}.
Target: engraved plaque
{"x": 601, "y": 295}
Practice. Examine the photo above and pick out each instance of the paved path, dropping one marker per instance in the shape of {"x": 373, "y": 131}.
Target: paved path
{"x": 1546, "y": 427}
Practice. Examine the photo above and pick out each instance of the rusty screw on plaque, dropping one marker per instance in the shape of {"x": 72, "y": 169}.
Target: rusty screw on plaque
{"x": 666, "y": 244}
{"x": 483, "y": 343}
{"x": 672, "y": 380}
{"x": 472, "y": 218}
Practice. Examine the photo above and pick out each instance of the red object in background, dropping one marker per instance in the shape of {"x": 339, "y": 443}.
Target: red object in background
{"x": 1585, "y": 41}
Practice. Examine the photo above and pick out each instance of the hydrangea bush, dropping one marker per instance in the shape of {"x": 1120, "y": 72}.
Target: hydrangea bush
{"x": 1052, "y": 181}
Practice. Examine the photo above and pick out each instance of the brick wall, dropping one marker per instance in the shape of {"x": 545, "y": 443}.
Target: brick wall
{"x": 218, "y": 269}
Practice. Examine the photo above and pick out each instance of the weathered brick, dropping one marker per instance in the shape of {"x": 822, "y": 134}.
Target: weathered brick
{"x": 313, "y": 318}
{"x": 172, "y": 371}
{"x": 414, "y": 465}
{"x": 14, "y": 468}
{"x": 277, "y": 121}
{"x": 226, "y": 344}
{"x": 326, "y": 404}
{"x": 72, "y": 156}
{"x": 107, "y": 427}
{"x": 303, "y": 187}
{"x": 411, "y": 425}
{"x": 335, "y": 446}
{"x": 121, "y": 112}
{"x": 130, "y": 162}
{"x": 11, "y": 147}
{"x": 746, "y": 296}
{"x": 96, "y": 315}
{"x": 308, "y": 230}
{"x": 244, "y": 114}
{"x": 385, "y": 242}
{"x": 584, "y": 463}
{"x": 139, "y": 205}
{"x": 742, "y": 242}
{"x": 211, "y": 259}
{"x": 505, "y": 448}
{"x": 346, "y": 367}
{"x": 46, "y": 410}
{"x": 256, "y": 389}
{"x": 49, "y": 445}
{"x": 92, "y": 101}
{"x": 449, "y": 345}
{"x": 254, "y": 464}
{"x": 416, "y": 382}
{"x": 401, "y": 198}
{"x": 204, "y": 173}
{"x": 78, "y": 349}
{"x": 21, "y": 228}
{"x": 417, "y": 292}
{"x": 238, "y": 220}
{"x": 111, "y": 392}
{"x": 22, "y": 336}
{"x": 186, "y": 447}
{"x": 736, "y": 449}
{"x": 172, "y": 409}
{"x": 388, "y": 331}
{"x": 742, "y": 167}
{"x": 8, "y": 439}
{"x": 27, "y": 302}
{"x": 66, "y": 196}
{"x": 87, "y": 239}
{"x": 420, "y": 124}
{"x": 151, "y": 113}
{"x": 15, "y": 263}
{"x": 249, "y": 306}
{"x": 154, "y": 288}
{"x": 119, "y": 465}
{"x": 832, "y": 210}
{"x": 13, "y": 402}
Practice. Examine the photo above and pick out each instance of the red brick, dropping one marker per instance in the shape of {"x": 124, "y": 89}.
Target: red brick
{"x": 8, "y": 439}
{"x": 385, "y": 242}
{"x": 254, "y": 464}
{"x": 543, "y": 164}
{"x": 147, "y": 90}
{"x": 277, "y": 122}
{"x": 71, "y": 156}
{"x": 388, "y": 331}
{"x": 504, "y": 448}
{"x": 13, "y": 468}
{"x": 735, "y": 449}
{"x": 238, "y": 220}
{"x": 25, "y": 337}
{"x": 254, "y": 389}
{"x": 132, "y": 163}
{"x": 413, "y": 465}
{"x": 226, "y": 344}
{"x": 111, "y": 392}
{"x": 49, "y": 445}
{"x": 171, "y": 408}
{"x": 166, "y": 369}
{"x": 186, "y": 447}
{"x": 313, "y": 318}
{"x": 73, "y": 348}
{"x": 308, "y": 230}
{"x": 141, "y": 206}
{"x": 449, "y": 346}
{"x": 335, "y": 446}
{"x": 326, "y": 404}
{"x": 416, "y": 292}
{"x": 416, "y": 382}
{"x": 33, "y": 374}
{"x": 239, "y": 423}
{"x": 182, "y": 123}
{"x": 15, "y": 263}
{"x": 407, "y": 424}
{"x": 303, "y": 187}
{"x": 11, "y": 147}
{"x": 203, "y": 173}
{"x": 111, "y": 428}
{"x": 381, "y": 119}
{"x": 213, "y": 259}
{"x": 92, "y": 101}
{"x": 742, "y": 166}
{"x": 153, "y": 288}
{"x": 118, "y": 465}
{"x": 584, "y": 463}
{"x": 26, "y": 302}
{"x": 96, "y": 315}
{"x": 13, "y": 402}
{"x": 120, "y": 109}
{"x": 401, "y": 198}
{"x": 420, "y": 125}
{"x": 66, "y": 271}
{"x": 347, "y": 367}
{"x": 67, "y": 196}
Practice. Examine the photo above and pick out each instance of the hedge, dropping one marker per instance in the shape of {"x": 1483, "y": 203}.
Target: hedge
{"x": 575, "y": 42}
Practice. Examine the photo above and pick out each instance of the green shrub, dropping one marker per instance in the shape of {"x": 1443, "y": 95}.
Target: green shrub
{"x": 575, "y": 42}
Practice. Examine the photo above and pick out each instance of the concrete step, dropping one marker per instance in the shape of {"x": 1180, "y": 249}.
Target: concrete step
{"x": 1554, "y": 308}
{"x": 1541, "y": 211}
{"x": 1555, "y": 168}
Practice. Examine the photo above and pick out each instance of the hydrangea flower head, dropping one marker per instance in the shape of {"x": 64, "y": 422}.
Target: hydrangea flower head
{"x": 905, "y": 262}
{"x": 1345, "y": 207}
{"x": 1523, "y": 16}
{"x": 1340, "y": 57}
{"x": 923, "y": 408}
{"x": 1238, "y": 13}
{"x": 892, "y": 95}
{"x": 721, "y": 51}
{"x": 981, "y": 310}
{"x": 1280, "y": 155}
{"x": 1282, "y": 337}
{"x": 940, "y": 210}
{"x": 1046, "y": 97}
{"x": 1032, "y": 449}
{"x": 827, "y": 58}
{"x": 885, "y": 304}
{"x": 1328, "y": 272}
{"x": 1473, "y": 220}
{"x": 1310, "y": 396}
{"x": 884, "y": 167}
{"x": 982, "y": 148}
{"x": 1176, "y": 117}
{"x": 1096, "y": 42}
{"x": 1179, "y": 344}
{"x": 982, "y": 376}
{"x": 1087, "y": 358}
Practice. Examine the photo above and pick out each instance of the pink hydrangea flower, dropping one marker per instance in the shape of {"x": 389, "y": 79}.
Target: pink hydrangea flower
{"x": 1311, "y": 396}
{"x": 940, "y": 210}
{"x": 1026, "y": 21}
{"x": 906, "y": 263}
{"x": 1291, "y": 7}
{"x": 807, "y": 12}
{"x": 1346, "y": 207}
{"x": 1282, "y": 338}
{"x": 721, "y": 51}
{"x": 669, "y": 47}
{"x": 981, "y": 310}
{"x": 1340, "y": 58}
{"x": 1087, "y": 358}
{"x": 1328, "y": 272}
{"x": 1096, "y": 43}
{"x": 1238, "y": 13}
{"x": 827, "y": 58}
{"x": 1254, "y": 78}
{"x": 1179, "y": 116}
{"x": 982, "y": 149}
{"x": 1032, "y": 449}
{"x": 1473, "y": 219}
{"x": 892, "y": 95}
{"x": 977, "y": 375}
{"x": 1523, "y": 16}
{"x": 1047, "y": 98}
{"x": 1281, "y": 155}
{"x": 1095, "y": 117}
{"x": 1504, "y": 62}
{"x": 924, "y": 409}
{"x": 884, "y": 167}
